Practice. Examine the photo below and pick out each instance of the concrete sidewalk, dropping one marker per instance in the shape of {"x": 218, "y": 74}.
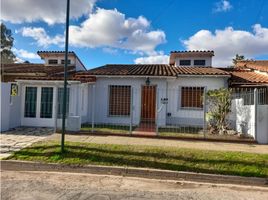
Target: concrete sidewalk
{"x": 204, "y": 145}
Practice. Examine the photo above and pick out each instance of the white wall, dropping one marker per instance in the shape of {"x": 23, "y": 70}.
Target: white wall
{"x": 242, "y": 117}
{"x": 5, "y": 108}
{"x": 262, "y": 124}
{"x": 182, "y": 116}
{"x": 10, "y": 108}
{"x": 59, "y": 58}
{"x": 102, "y": 98}
{"x": 178, "y": 115}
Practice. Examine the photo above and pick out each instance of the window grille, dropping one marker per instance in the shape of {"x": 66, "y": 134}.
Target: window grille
{"x": 52, "y": 61}
{"x": 185, "y": 62}
{"x": 119, "y": 100}
{"x": 200, "y": 62}
{"x": 191, "y": 97}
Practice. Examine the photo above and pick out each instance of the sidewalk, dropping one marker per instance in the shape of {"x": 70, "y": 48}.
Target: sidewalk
{"x": 204, "y": 145}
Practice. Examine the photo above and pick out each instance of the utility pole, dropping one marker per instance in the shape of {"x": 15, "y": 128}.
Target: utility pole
{"x": 65, "y": 76}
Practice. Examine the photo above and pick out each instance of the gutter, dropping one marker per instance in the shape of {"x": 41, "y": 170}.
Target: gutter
{"x": 42, "y": 81}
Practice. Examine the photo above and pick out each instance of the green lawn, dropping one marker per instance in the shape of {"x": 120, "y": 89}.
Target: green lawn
{"x": 177, "y": 159}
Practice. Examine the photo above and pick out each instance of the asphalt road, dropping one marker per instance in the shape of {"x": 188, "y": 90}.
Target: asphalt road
{"x": 63, "y": 186}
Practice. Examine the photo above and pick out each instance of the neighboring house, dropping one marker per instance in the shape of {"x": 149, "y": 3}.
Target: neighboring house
{"x": 40, "y": 90}
{"x": 162, "y": 95}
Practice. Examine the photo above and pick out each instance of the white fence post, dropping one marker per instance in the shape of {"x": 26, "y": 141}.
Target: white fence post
{"x": 156, "y": 111}
{"x": 93, "y": 109}
{"x": 255, "y": 112}
{"x": 204, "y": 112}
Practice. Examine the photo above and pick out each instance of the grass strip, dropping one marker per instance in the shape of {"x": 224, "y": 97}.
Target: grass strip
{"x": 168, "y": 158}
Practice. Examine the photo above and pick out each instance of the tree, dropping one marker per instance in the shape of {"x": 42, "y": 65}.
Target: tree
{"x": 7, "y": 56}
{"x": 238, "y": 58}
{"x": 219, "y": 106}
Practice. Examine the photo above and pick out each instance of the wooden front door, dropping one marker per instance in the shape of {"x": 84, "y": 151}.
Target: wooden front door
{"x": 148, "y": 103}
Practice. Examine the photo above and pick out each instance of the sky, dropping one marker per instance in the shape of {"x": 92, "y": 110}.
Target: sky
{"x": 138, "y": 31}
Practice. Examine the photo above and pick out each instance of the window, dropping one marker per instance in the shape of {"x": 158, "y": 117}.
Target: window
{"x": 46, "y": 102}
{"x": 52, "y": 61}
{"x": 63, "y": 61}
{"x": 30, "y": 102}
{"x": 200, "y": 62}
{"x": 60, "y": 102}
{"x": 185, "y": 62}
{"x": 191, "y": 97}
{"x": 119, "y": 100}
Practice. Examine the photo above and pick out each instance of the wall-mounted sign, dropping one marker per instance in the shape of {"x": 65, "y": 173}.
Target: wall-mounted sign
{"x": 164, "y": 100}
{"x": 14, "y": 89}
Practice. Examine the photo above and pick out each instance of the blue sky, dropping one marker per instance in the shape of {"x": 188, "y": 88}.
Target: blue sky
{"x": 138, "y": 31}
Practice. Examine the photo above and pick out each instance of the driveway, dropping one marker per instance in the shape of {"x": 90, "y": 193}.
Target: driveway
{"x": 21, "y": 137}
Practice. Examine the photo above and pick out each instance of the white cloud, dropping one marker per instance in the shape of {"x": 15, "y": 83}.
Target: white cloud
{"x": 222, "y": 6}
{"x": 110, "y": 28}
{"x": 42, "y": 38}
{"x": 49, "y": 11}
{"x": 153, "y": 59}
{"x": 21, "y": 53}
{"x": 106, "y": 29}
{"x": 228, "y": 42}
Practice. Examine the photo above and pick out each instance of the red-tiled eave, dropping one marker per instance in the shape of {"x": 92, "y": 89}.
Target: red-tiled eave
{"x": 28, "y": 71}
{"x": 240, "y": 77}
{"x": 260, "y": 65}
{"x": 154, "y": 70}
{"x": 82, "y": 79}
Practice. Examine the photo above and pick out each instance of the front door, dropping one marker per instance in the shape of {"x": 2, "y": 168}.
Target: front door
{"x": 148, "y": 103}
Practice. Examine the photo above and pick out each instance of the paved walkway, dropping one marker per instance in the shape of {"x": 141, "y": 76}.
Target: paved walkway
{"x": 206, "y": 145}
{"x": 21, "y": 137}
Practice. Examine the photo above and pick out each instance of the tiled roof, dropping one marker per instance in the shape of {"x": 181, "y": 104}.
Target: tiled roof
{"x": 33, "y": 68}
{"x": 61, "y": 52}
{"x": 193, "y": 51}
{"x": 12, "y": 72}
{"x": 260, "y": 65}
{"x": 246, "y": 77}
{"x": 82, "y": 79}
{"x": 154, "y": 70}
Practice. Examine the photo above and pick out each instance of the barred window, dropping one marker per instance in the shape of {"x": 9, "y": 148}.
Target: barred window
{"x": 63, "y": 61}
{"x": 185, "y": 62}
{"x": 52, "y": 61}
{"x": 119, "y": 100}
{"x": 191, "y": 97}
{"x": 199, "y": 62}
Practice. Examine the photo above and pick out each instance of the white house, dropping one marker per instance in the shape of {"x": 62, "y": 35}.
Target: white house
{"x": 140, "y": 95}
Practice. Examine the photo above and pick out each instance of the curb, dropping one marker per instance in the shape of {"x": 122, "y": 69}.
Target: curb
{"x": 15, "y": 165}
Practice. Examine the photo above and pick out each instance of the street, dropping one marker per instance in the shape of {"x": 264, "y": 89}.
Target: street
{"x": 53, "y": 185}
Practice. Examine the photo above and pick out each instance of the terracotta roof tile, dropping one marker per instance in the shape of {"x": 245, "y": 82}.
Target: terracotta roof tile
{"x": 194, "y": 51}
{"x": 260, "y": 65}
{"x": 12, "y": 72}
{"x": 241, "y": 76}
{"x": 154, "y": 70}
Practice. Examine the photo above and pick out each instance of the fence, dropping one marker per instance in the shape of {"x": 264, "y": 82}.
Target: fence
{"x": 178, "y": 112}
